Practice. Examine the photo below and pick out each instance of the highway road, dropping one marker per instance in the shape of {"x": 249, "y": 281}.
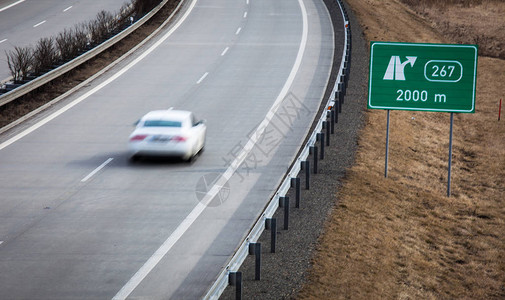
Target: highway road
{"x": 78, "y": 220}
{"x": 24, "y": 22}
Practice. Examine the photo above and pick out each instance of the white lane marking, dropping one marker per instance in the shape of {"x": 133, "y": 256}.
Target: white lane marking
{"x": 40, "y": 23}
{"x": 1, "y": 242}
{"x": 3, "y": 41}
{"x": 100, "y": 86}
{"x": 199, "y": 208}
{"x": 225, "y": 50}
{"x": 245, "y": 15}
{"x": 13, "y": 4}
{"x": 67, "y": 8}
{"x": 238, "y": 30}
{"x": 97, "y": 170}
{"x": 202, "y": 78}
{"x": 247, "y": 2}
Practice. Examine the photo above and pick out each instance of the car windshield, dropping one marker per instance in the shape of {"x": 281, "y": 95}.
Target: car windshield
{"x": 162, "y": 123}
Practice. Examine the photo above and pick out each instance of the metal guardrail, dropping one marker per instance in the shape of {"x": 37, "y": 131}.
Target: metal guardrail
{"x": 242, "y": 252}
{"x": 53, "y": 74}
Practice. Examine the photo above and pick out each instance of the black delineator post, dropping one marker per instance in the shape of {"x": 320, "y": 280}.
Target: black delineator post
{"x": 235, "y": 279}
{"x": 272, "y": 225}
{"x": 255, "y": 248}
{"x": 284, "y": 203}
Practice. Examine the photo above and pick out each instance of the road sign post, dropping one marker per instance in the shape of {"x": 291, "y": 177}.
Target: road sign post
{"x": 422, "y": 77}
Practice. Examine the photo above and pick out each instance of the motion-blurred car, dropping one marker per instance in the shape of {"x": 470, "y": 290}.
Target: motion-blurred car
{"x": 168, "y": 133}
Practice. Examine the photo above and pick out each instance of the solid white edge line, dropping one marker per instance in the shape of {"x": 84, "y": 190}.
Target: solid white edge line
{"x": 199, "y": 208}
{"x": 40, "y": 23}
{"x": 238, "y": 30}
{"x": 225, "y": 51}
{"x": 97, "y": 170}
{"x": 13, "y": 4}
{"x": 98, "y": 87}
{"x": 66, "y": 9}
{"x": 202, "y": 78}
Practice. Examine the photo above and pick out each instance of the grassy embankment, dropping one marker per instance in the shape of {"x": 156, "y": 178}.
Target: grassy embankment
{"x": 401, "y": 237}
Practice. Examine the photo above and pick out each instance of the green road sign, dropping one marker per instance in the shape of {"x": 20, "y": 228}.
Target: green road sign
{"x": 428, "y": 77}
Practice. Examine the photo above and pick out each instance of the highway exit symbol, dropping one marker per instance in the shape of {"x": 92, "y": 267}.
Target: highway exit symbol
{"x": 395, "y": 70}
{"x": 425, "y": 77}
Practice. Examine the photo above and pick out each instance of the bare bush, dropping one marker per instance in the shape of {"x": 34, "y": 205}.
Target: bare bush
{"x": 65, "y": 45}
{"x": 20, "y": 61}
{"x": 93, "y": 32}
{"x": 80, "y": 37}
{"x": 125, "y": 12}
{"x": 106, "y": 24}
{"x": 44, "y": 55}
{"x": 69, "y": 43}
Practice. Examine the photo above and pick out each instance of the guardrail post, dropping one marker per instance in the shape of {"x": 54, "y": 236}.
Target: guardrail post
{"x": 332, "y": 119}
{"x": 321, "y": 142}
{"x": 235, "y": 279}
{"x": 307, "y": 174}
{"x": 295, "y": 182}
{"x": 314, "y": 151}
{"x": 272, "y": 225}
{"x": 255, "y": 248}
{"x": 327, "y": 126}
{"x": 340, "y": 90}
{"x": 343, "y": 80}
{"x": 284, "y": 203}
{"x": 346, "y": 64}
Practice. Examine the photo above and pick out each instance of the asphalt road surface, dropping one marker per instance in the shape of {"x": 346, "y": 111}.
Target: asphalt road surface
{"x": 79, "y": 221}
{"x": 24, "y": 22}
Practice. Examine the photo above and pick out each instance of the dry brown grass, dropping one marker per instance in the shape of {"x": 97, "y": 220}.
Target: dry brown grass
{"x": 477, "y": 22}
{"x": 400, "y": 237}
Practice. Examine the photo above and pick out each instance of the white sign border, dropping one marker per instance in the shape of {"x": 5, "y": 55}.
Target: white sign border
{"x": 423, "y": 45}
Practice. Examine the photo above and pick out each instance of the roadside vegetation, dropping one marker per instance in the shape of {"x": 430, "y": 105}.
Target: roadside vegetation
{"x": 26, "y": 63}
{"x": 400, "y": 237}
{"x": 37, "y": 98}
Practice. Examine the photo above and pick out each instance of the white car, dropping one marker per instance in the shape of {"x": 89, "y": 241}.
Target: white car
{"x": 168, "y": 133}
